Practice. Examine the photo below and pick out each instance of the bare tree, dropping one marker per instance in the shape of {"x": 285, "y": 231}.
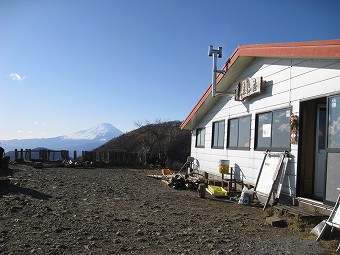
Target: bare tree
{"x": 159, "y": 137}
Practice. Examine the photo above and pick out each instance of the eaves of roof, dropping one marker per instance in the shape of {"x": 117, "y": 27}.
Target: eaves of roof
{"x": 244, "y": 55}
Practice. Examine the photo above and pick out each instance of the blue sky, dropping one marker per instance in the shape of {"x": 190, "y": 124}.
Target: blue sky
{"x": 69, "y": 65}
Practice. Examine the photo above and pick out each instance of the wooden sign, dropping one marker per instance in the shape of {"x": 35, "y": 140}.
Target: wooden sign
{"x": 248, "y": 87}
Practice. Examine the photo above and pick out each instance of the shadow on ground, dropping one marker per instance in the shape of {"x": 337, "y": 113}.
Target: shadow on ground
{"x": 6, "y": 188}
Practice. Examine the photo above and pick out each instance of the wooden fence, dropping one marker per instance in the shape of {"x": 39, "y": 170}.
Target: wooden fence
{"x": 41, "y": 155}
{"x": 121, "y": 157}
{"x": 110, "y": 157}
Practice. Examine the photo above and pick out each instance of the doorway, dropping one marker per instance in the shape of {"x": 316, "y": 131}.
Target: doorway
{"x": 311, "y": 173}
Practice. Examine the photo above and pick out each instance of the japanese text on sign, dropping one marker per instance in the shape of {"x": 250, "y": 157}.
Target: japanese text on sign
{"x": 248, "y": 87}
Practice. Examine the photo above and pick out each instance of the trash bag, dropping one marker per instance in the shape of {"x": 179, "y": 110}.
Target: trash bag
{"x": 246, "y": 196}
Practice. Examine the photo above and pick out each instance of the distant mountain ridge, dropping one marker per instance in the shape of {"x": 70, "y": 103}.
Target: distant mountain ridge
{"x": 84, "y": 140}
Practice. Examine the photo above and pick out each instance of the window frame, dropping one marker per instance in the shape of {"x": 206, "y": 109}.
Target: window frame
{"x": 220, "y": 123}
{"x": 202, "y": 139}
{"x": 238, "y": 147}
{"x": 270, "y": 147}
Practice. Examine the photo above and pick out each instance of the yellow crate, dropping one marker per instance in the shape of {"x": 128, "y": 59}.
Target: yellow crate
{"x": 217, "y": 190}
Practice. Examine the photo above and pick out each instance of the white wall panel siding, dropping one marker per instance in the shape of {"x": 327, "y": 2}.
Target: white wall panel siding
{"x": 315, "y": 77}
{"x": 265, "y": 67}
{"x": 316, "y": 89}
{"x": 273, "y": 102}
{"x": 288, "y": 82}
{"x": 306, "y": 66}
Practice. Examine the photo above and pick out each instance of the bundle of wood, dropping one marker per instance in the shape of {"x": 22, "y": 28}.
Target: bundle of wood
{"x": 180, "y": 181}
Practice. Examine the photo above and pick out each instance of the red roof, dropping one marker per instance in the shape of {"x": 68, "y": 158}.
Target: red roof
{"x": 315, "y": 49}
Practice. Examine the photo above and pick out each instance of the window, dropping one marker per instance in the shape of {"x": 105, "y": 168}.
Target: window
{"x": 273, "y": 130}
{"x": 200, "y": 137}
{"x": 334, "y": 122}
{"x": 239, "y": 133}
{"x": 218, "y": 135}
{"x": 233, "y": 133}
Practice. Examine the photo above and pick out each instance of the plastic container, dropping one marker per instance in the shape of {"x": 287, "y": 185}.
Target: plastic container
{"x": 246, "y": 197}
{"x": 224, "y": 167}
{"x": 217, "y": 191}
{"x": 166, "y": 171}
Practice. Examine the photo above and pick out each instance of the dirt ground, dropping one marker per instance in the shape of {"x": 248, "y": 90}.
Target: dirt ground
{"x": 122, "y": 211}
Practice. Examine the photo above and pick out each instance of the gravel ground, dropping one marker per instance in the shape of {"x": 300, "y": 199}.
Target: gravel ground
{"x": 122, "y": 211}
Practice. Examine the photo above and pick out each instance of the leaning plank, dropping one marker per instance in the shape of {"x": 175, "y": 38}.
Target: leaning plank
{"x": 166, "y": 183}
{"x": 155, "y": 176}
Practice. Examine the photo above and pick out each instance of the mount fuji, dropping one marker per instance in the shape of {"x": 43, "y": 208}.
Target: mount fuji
{"x": 103, "y": 132}
{"x": 84, "y": 140}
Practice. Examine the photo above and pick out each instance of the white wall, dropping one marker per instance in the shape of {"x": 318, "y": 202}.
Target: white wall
{"x": 288, "y": 82}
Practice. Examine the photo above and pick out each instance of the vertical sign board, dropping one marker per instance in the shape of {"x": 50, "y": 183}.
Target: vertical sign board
{"x": 269, "y": 173}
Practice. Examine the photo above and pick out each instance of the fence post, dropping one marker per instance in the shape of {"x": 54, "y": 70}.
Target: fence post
{"x": 64, "y": 155}
{"x": 29, "y": 154}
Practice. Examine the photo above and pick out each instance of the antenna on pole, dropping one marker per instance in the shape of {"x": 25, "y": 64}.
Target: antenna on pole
{"x": 215, "y": 54}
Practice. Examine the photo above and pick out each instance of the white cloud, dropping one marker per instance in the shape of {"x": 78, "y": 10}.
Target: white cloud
{"x": 17, "y": 77}
{"x": 35, "y": 123}
{"x": 24, "y": 132}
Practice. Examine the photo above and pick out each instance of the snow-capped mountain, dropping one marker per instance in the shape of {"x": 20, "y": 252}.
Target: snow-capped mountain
{"x": 84, "y": 140}
{"x": 103, "y": 132}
